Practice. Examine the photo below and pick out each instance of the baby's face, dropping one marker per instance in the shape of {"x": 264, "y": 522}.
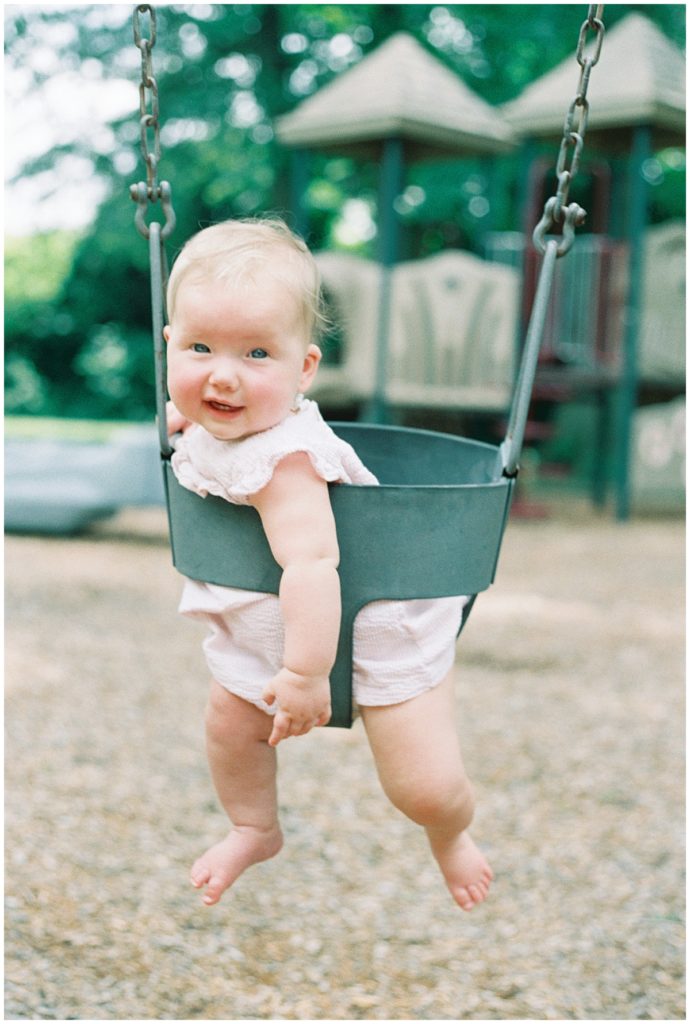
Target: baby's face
{"x": 237, "y": 357}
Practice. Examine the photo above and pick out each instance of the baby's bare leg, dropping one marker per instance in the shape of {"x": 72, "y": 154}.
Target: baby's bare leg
{"x": 243, "y": 768}
{"x": 417, "y": 753}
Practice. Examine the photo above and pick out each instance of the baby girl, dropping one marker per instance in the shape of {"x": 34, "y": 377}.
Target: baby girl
{"x": 244, "y": 309}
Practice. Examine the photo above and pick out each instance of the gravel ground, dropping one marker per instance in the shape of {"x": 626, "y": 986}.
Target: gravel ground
{"x": 570, "y": 692}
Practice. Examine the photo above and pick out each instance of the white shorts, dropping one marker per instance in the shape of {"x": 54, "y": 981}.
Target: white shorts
{"x": 401, "y": 648}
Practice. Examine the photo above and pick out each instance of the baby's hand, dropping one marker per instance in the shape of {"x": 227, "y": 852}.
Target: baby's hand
{"x": 303, "y": 703}
{"x": 175, "y": 421}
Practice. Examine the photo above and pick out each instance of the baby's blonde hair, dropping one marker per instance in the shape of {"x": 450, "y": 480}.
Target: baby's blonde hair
{"x": 236, "y": 251}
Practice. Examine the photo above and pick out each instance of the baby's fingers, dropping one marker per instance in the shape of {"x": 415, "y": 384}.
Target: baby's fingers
{"x": 282, "y": 728}
{"x": 302, "y": 730}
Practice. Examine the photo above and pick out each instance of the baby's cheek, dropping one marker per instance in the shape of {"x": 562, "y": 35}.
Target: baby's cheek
{"x": 272, "y": 391}
{"x": 183, "y": 390}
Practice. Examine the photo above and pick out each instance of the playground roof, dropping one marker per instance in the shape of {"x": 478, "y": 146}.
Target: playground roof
{"x": 402, "y": 90}
{"x": 640, "y": 79}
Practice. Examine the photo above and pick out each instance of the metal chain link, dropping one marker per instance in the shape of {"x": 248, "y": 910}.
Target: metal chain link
{"x": 556, "y": 209}
{"x": 152, "y": 190}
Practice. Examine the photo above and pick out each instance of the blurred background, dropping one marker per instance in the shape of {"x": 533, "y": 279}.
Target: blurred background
{"x": 410, "y": 143}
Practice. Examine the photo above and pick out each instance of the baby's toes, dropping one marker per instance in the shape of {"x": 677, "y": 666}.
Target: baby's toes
{"x": 478, "y": 892}
{"x": 200, "y": 874}
{"x": 214, "y": 890}
{"x": 464, "y": 898}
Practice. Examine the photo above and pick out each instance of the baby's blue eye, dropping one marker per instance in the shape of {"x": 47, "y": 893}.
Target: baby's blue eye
{"x": 199, "y": 346}
{"x": 258, "y": 353}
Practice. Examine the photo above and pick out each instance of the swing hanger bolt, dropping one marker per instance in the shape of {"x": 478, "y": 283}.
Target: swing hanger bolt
{"x": 572, "y": 216}
{"x": 140, "y": 195}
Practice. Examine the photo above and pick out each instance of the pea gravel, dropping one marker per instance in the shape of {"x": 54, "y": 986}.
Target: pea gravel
{"x": 569, "y": 691}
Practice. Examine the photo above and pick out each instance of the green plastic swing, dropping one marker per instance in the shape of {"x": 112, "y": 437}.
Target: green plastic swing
{"x": 434, "y": 526}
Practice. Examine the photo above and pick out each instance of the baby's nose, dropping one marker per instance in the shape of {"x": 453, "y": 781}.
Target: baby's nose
{"x": 224, "y": 374}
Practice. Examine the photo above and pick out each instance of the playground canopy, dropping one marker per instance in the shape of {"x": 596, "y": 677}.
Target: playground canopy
{"x": 399, "y": 90}
{"x": 641, "y": 81}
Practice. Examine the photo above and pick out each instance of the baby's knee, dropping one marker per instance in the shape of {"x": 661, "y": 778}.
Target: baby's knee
{"x": 433, "y": 801}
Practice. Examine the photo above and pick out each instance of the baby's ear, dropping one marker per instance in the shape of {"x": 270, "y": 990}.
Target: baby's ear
{"x": 312, "y": 359}
{"x": 166, "y": 332}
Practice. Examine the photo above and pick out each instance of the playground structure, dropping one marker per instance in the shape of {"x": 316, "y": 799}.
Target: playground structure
{"x": 417, "y": 336}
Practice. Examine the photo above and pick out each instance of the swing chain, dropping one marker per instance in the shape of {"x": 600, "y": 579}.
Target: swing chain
{"x": 556, "y": 209}
{"x": 151, "y": 190}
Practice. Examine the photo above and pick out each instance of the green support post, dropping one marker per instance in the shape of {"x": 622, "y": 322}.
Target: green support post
{"x": 600, "y": 467}
{"x": 627, "y": 388}
{"x": 490, "y": 171}
{"x": 299, "y": 184}
{"x": 392, "y": 178}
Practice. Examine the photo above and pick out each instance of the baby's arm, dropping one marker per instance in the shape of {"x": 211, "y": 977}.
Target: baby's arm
{"x": 296, "y": 513}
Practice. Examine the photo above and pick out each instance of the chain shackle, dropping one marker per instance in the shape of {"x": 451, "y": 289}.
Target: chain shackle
{"x": 152, "y": 190}
{"x": 139, "y": 194}
{"x": 572, "y": 216}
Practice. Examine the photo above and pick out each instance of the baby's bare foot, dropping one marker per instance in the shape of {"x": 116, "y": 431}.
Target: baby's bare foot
{"x": 223, "y": 863}
{"x": 465, "y": 869}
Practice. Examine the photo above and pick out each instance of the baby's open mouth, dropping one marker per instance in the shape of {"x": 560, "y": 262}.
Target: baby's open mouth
{"x": 224, "y": 406}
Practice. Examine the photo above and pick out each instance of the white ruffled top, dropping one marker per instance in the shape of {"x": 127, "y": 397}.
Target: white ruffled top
{"x": 235, "y": 470}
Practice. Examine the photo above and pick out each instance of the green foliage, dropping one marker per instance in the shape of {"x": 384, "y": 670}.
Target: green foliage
{"x": 77, "y": 307}
{"x": 35, "y": 267}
